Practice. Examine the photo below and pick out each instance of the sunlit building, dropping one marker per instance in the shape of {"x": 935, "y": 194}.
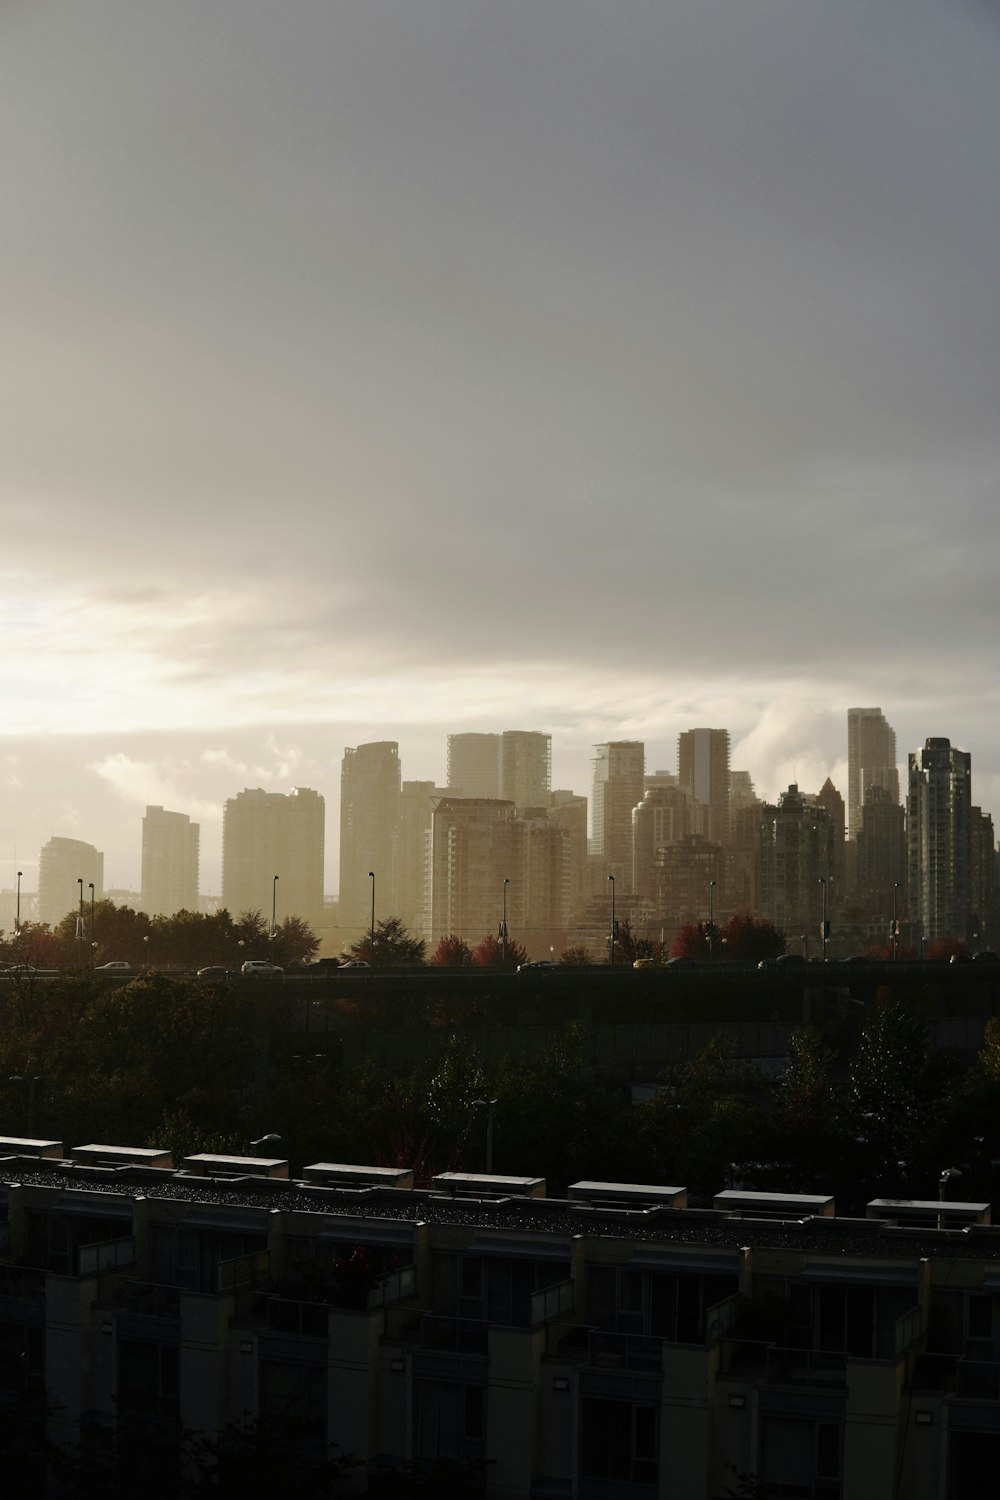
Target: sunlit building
{"x": 871, "y": 761}
{"x": 619, "y": 785}
{"x": 474, "y": 765}
{"x": 370, "y": 784}
{"x": 268, "y": 834}
{"x": 525, "y": 767}
{"x": 169, "y": 863}
{"x": 472, "y": 855}
{"x": 703, "y": 767}
{"x": 66, "y": 870}
{"x": 938, "y": 840}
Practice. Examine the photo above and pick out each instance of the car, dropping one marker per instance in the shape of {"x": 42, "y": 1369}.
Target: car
{"x": 260, "y": 968}
{"x": 214, "y": 971}
{"x": 783, "y": 961}
{"x": 985, "y": 956}
{"x": 534, "y": 964}
{"x": 680, "y": 961}
{"x": 114, "y": 966}
{"x": 646, "y": 963}
{"x": 355, "y": 963}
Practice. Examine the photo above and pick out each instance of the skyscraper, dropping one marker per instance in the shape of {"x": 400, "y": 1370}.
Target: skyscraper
{"x": 169, "y": 863}
{"x": 474, "y": 765}
{"x": 525, "y": 767}
{"x": 471, "y": 857}
{"x": 871, "y": 761}
{"x": 938, "y": 840}
{"x": 619, "y": 771}
{"x": 370, "y": 783}
{"x": 63, "y": 863}
{"x": 703, "y": 767}
{"x": 266, "y": 834}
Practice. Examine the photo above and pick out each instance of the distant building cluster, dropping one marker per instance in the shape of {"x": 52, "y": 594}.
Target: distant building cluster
{"x": 497, "y": 848}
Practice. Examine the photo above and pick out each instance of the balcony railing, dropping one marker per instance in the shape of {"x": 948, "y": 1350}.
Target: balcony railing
{"x": 105, "y": 1255}
{"x": 552, "y": 1302}
{"x": 950, "y": 1374}
{"x": 454, "y": 1335}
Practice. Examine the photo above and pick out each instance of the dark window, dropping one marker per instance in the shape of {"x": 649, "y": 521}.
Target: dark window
{"x": 619, "y": 1441}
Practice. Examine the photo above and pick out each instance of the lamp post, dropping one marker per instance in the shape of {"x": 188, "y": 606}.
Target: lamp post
{"x": 274, "y": 906}
{"x": 91, "y": 924}
{"x": 371, "y": 877}
{"x": 17, "y": 916}
{"x": 711, "y": 919}
{"x": 611, "y": 950}
{"x": 895, "y": 921}
{"x": 823, "y": 928}
{"x": 490, "y": 1105}
{"x": 145, "y": 950}
{"x": 503, "y": 924}
{"x": 79, "y": 923}
{"x": 265, "y": 1140}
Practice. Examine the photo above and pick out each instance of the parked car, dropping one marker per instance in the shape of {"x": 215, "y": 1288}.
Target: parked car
{"x": 216, "y": 972}
{"x": 537, "y": 963}
{"x": 114, "y": 966}
{"x": 355, "y": 963}
{"x": 260, "y": 968}
{"x": 646, "y": 963}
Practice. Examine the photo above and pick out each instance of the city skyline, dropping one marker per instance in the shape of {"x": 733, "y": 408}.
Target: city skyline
{"x": 371, "y": 376}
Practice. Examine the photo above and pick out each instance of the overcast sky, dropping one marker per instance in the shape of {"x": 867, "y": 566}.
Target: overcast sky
{"x": 396, "y": 367}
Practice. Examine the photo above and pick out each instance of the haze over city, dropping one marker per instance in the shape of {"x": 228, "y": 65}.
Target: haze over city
{"x": 387, "y": 371}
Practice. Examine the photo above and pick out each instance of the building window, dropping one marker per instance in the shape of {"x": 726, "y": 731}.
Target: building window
{"x": 619, "y": 1441}
{"x": 801, "y": 1459}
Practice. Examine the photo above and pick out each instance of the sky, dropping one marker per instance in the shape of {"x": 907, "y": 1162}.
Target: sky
{"x": 383, "y": 370}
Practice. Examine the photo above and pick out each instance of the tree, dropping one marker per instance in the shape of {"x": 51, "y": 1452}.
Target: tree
{"x": 294, "y": 941}
{"x": 574, "y": 956}
{"x": 451, "y": 953}
{"x": 690, "y": 942}
{"x": 489, "y": 954}
{"x": 748, "y": 939}
{"x": 395, "y": 946}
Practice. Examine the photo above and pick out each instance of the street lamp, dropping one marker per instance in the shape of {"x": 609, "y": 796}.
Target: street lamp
{"x": 711, "y": 919}
{"x": 824, "y": 928}
{"x": 79, "y": 923}
{"x": 146, "y": 952}
{"x": 91, "y": 924}
{"x": 371, "y": 877}
{"x": 489, "y": 1105}
{"x": 503, "y": 922}
{"x": 611, "y": 952}
{"x": 895, "y": 921}
{"x": 274, "y": 906}
{"x": 17, "y": 917}
{"x": 265, "y": 1140}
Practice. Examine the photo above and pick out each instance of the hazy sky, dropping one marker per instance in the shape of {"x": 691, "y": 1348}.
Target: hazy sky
{"x": 389, "y": 368}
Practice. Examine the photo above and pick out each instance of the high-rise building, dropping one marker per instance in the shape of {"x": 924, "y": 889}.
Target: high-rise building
{"x": 871, "y": 761}
{"x": 417, "y": 802}
{"x": 471, "y": 857}
{"x": 169, "y": 863}
{"x": 370, "y": 783}
{"x": 266, "y": 834}
{"x": 619, "y": 784}
{"x": 880, "y": 868}
{"x": 667, "y": 814}
{"x": 525, "y": 767}
{"x": 62, "y": 865}
{"x": 797, "y": 843}
{"x": 703, "y": 767}
{"x": 938, "y": 840}
{"x": 570, "y": 810}
{"x": 474, "y": 765}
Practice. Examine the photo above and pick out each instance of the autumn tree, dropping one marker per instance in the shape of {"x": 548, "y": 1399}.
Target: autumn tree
{"x": 748, "y": 939}
{"x": 691, "y": 941}
{"x": 489, "y": 954}
{"x": 451, "y": 953}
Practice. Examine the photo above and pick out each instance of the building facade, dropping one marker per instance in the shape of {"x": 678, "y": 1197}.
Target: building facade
{"x": 268, "y": 834}
{"x": 62, "y": 866}
{"x": 370, "y": 786}
{"x": 619, "y": 784}
{"x": 871, "y": 761}
{"x": 474, "y": 765}
{"x": 169, "y": 863}
{"x": 938, "y": 841}
{"x": 703, "y": 767}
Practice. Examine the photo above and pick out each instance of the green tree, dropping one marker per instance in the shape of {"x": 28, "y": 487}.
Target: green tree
{"x": 293, "y": 942}
{"x": 395, "y": 946}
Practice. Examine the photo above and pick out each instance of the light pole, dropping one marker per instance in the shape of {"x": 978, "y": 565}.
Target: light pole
{"x": 895, "y": 921}
{"x": 274, "y": 905}
{"x": 711, "y": 919}
{"x": 79, "y": 922}
{"x": 371, "y": 877}
{"x": 503, "y": 923}
{"x": 146, "y": 952}
{"x": 611, "y": 950}
{"x": 823, "y": 928}
{"x": 490, "y": 1105}
{"x": 91, "y": 924}
{"x": 17, "y": 917}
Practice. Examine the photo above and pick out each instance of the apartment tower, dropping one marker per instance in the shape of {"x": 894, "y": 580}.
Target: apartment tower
{"x": 871, "y": 761}
{"x": 619, "y": 784}
{"x": 169, "y": 863}
{"x": 265, "y": 834}
{"x": 703, "y": 768}
{"x": 370, "y": 786}
{"x": 938, "y": 840}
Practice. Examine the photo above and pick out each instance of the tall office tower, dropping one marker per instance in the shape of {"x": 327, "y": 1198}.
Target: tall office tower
{"x": 417, "y": 801}
{"x": 266, "y": 834}
{"x": 62, "y": 865}
{"x": 667, "y": 814}
{"x": 741, "y": 792}
{"x": 474, "y": 765}
{"x": 871, "y": 761}
{"x": 569, "y": 810}
{"x": 525, "y": 767}
{"x": 831, "y": 799}
{"x": 689, "y": 881}
{"x": 796, "y": 863}
{"x": 370, "y": 782}
{"x": 938, "y": 840}
{"x": 703, "y": 767}
{"x": 471, "y": 857}
{"x": 169, "y": 863}
{"x": 538, "y": 905}
{"x": 619, "y": 783}
{"x": 880, "y": 866}
{"x": 984, "y": 879}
